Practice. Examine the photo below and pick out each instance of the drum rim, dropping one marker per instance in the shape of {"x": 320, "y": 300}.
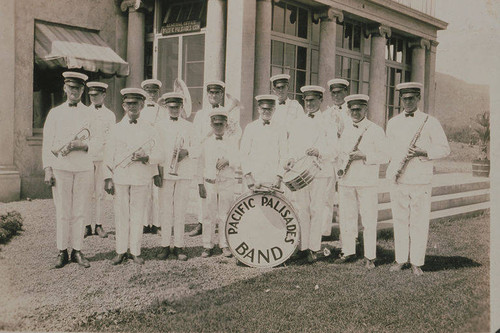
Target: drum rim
{"x": 252, "y": 193}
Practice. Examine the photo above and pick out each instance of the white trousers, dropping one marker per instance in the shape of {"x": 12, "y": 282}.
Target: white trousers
{"x": 129, "y": 204}
{"x": 329, "y": 202}
{"x": 310, "y": 204}
{"x": 220, "y": 196}
{"x": 362, "y": 200}
{"x": 411, "y": 207}
{"x": 173, "y": 197}
{"x": 152, "y": 213}
{"x": 72, "y": 197}
{"x": 99, "y": 193}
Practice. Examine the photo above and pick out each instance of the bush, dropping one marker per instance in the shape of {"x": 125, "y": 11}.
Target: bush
{"x": 10, "y": 225}
{"x": 464, "y": 134}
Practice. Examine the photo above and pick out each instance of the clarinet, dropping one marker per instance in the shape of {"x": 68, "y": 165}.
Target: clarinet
{"x": 341, "y": 172}
{"x": 404, "y": 162}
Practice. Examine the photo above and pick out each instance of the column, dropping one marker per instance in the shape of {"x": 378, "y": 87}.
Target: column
{"x": 327, "y": 44}
{"x": 10, "y": 181}
{"x": 378, "y": 74}
{"x": 418, "y": 65}
{"x": 262, "y": 49}
{"x": 430, "y": 78}
{"x": 215, "y": 40}
{"x": 240, "y": 55}
{"x": 135, "y": 41}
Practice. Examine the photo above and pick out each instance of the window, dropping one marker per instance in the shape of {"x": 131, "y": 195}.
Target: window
{"x": 398, "y": 64}
{"x": 182, "y": 11}
{"x": 352, "y": 61}
{"x": 183, "y": 56}
{"x": 294, "y": 46}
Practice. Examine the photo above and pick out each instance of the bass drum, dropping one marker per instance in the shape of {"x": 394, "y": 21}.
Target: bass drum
{"x": 262, "y": 229}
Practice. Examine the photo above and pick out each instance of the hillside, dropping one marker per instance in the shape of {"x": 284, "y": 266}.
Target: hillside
{"x": 458, "y": 101}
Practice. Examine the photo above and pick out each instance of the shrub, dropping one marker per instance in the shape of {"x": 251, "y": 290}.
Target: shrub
{"x": 10, "y": 225}
{"x": 483, "y": 131}
{"x": 464, "y": 134}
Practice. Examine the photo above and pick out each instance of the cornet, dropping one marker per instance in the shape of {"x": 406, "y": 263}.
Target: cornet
{"x": 82, "y": 134}
{"x": 127, "y": 160}
{"x": 174, "y": 162}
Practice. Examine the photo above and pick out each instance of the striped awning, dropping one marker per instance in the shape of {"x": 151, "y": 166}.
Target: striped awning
{"x": 69, "y": 47}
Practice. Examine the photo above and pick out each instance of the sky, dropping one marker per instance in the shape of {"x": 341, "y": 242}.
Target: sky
{"x": 469, "y": 48}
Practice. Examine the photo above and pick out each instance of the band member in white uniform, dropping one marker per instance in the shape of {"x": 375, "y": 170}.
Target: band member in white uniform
{"x": 203, "y": 129}
{"x": 129, "y": 174}
{"x": 411, "y": 189}
{"x": 67, "y": 161}
{"x": 217, "y": 163}
{"x": 287, "y": 110}
{"x": 152, "y": 112}
{"x": 104, "y": 118}
{"x": 263, "y": 147}
{"x": 362, "y": 147}
{"x": 311, "y": 135}
{"x": 175, "y": 147}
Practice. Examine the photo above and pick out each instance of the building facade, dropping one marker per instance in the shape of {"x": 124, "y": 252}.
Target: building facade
{"x": 374, "y": 44}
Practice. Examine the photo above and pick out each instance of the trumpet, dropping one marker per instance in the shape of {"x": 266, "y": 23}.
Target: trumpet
{"x": 174, "y": 162}
{"x": 82, "y": 134}
{"x": 128, "y": 159}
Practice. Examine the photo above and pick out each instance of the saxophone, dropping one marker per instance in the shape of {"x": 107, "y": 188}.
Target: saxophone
{"x": 342, "y": 171}
{"x": 406, "y": 159}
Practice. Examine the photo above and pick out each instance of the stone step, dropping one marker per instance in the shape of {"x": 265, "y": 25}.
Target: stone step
{"x": 10, "y": 184}
{"x": 443, "y": 202}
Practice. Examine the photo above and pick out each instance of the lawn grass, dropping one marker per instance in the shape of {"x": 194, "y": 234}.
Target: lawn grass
{"x": 452, "y": 295}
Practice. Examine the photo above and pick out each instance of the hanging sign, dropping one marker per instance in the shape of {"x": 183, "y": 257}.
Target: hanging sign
{"x": 180, "y": 28}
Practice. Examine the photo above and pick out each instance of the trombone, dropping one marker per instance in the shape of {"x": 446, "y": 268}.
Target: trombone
{"x": 82, "y": 134}
{"x": 128, "y": 159}
{"x": 174, "y": 162}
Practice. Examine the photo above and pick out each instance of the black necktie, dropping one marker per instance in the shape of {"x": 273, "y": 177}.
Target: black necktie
{"x": 266, "y": 122}
{"x": 72, "y": 105}
{"x": 218, "y": 137}
{"x": 97, "y": 107}
{"x": 173, "y": 118}
{"x": 356, "y": 126}
{"x": 215, "y": 106}
{"x": 133, "y": 121}
{"x": 150, "y": 104}
{"x": 310, "y": 115}
{"x": 282, "y": 103}
{"x": 409, "y": 114}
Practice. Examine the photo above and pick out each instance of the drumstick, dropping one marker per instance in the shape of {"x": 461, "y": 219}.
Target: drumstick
{"x": 272, "y": 189}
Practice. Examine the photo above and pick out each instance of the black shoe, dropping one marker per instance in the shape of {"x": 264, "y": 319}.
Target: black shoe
{"x": 137, "y": 259}
{"x": 299, "y": 255}
{"x": 179, "y": 253}
{"x": 88, "y": 231}
{"x": 164, "y": 253}
{"x": 345, "y": 259}
{"x": 119, "y": 258}
{"x": 146, "y": 229}
{"x": 62, "y": 259}
{"x": 197, "y": 230}
{"x": 311, "y": 256}
{"x": 154, "y": 229}
{"x": 100, "y": 231}
{"x": 77, "y": 256}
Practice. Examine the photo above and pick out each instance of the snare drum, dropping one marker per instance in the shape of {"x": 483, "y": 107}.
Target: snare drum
{"x": 302, "y": 173}
{"x": 262, "y": 229}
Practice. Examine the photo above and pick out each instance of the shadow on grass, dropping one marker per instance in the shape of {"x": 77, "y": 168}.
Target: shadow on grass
{"x": 150, "y": 253}
{"x": 442, "y": 263}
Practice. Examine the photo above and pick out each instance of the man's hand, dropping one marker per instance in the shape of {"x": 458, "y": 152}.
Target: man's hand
{"x": 158, "y": 180}
{"x": 183, "y": 153}
{"x": 416, "y": 151}
{"x": 140, "y": 156}
{"x": 357, "y": 155}
{"x": 312, "y": 152}
{"x": 222, "y": 163}
{"x": 249, "y": 180}
{"x": 49, "y": 180}
{"x": 109, "y": 186}
{"x": 289, "y": 164}
{"x": 202, "y": 191}
{"x": 277, "y": 182}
